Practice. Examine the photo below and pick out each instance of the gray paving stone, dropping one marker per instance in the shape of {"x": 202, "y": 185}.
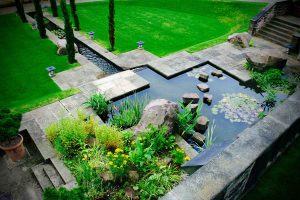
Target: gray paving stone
{"x": 64, "y": 172}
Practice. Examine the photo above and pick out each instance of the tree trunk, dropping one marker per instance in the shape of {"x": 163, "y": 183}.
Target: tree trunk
{"x": 20, "y": 10}
{"x": 40, "y": 18}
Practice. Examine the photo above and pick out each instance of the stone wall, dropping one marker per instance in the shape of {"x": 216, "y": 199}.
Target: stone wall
{"x": 234, "y": 171}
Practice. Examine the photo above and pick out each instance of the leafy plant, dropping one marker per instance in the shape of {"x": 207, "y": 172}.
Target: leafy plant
{"x": 251, "y": 43}
{"x": 62, "y": 194}
{"x": 110, "y": 137}
{"x": 99, "y": 103}
{"x": 118, "y": 163}
{"x": 178, "y": 156}
{"x": 9, "y": 124}
{"x": 186, "y": 119}
{"x": 159, "y": 183}
{"x": 59, "y": 33}
{"x": 209, "y": 136}
{"x": 261, "y": 115}
{"x": 129, "y": 112}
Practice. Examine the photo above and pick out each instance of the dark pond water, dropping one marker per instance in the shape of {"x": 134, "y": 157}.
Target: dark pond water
{"x": 234, "y": 106}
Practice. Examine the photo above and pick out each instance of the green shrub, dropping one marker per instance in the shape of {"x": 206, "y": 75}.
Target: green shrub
{"x": 99, "y": 103}
{"x": 129, "y": 112}
{"x": 187, "y": 120}
{"x": 178, "y": 156}
{"x": 63, "y": 194}
{"x": 159, "y": 183}
{"x": 110, "y": 137}
{"x": 118, "y": 164}
{"x": 9, "y": 124}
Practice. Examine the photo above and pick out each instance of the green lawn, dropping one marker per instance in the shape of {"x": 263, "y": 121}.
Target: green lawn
{"x": 167, "y": 26}
{"x": 282, "y": 180}
{"x": 23, "y": 60}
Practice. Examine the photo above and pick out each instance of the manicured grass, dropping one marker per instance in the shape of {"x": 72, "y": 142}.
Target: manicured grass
{"x": 23, "y": 60}
{"x": 167, "y": 26}
{"x": 282, "y": 180}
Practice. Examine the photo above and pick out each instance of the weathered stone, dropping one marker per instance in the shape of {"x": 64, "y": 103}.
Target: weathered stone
{"x": 61, "y": 47}
{"x": 203, "y": 87}
{"x": 207, "y": 98}
{"x": 217, "y": 73}
{"x": 266, "y": 58}
{"x": 240, "y": 39}
{"x": 106, "y": 176}
{"x": 198, "y": 138}
{"x": 134, "y": 176}
{"x": 203, "y": 76}
{"x": 194, "y": 107}
{"x": 190, "y": 98}
{"x": 159, "y": 112}
{"x": 202, "y": 123}
{"x": 129, "y": 192}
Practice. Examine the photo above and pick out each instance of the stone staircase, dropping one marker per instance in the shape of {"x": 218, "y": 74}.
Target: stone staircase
{"x": 280, "y": 30}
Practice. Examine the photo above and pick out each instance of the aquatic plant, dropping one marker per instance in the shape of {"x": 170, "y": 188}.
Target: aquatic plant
{"x": 99, "y": 103}
{"x": 238, "y": 107}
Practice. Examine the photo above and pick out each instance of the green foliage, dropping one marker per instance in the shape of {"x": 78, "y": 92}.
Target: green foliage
{"x": 59, "y": 33}
{"x": 74, "y": 14}
{"x": 99, "y": 103}
{"x": 118, "y": 163}
{"x": 261, "y": 115}
{"x": 40, "y": 19}
{"x": 127, "y": 139}
{"x": 69, "y": 33}
{"x": 54, "y": 8}
{"x": 111, "y": 24}
{"x": 69, "y": 135}
{"x": 129, "y": 112}
{"x": 209, "y": 136}
{"x": 178, "y": 156}
{"x": 88, "y": 179}
{"x": 159, "y": 183}
{"x": 109, "y": 137}
{"x": 140, "y": 155}
{"x": 9, "y": 124}
{"x": 20, "y": 10}
{"x": 187, "y": 120}
{"x": 271, "y": 82}
{"x": 251, "y": 43}
{"x": 63, "y": 194}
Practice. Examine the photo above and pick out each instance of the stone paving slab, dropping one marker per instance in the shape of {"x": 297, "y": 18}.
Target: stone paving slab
{"x": 78, "y": 76}
{"x": 175, "y": 64}
{"x": 119, "y": 84}
{"x": 135, "y": 58}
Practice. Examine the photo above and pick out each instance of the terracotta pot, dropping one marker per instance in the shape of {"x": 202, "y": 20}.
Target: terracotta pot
{"x": 15, "y": 152}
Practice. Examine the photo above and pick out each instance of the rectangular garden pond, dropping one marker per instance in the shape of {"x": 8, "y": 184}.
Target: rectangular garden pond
{"x": 234, "y": 107}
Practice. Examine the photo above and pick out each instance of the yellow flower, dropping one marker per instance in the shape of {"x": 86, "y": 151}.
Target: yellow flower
{"x": 109, "y": 153}
{"x": 115, "y": 165}
{"x": 115, "y": 156}
{"x": 123, "y": 155}
{"x": 124, "y": 162}
{"x": 127, "y": 156}
{"x": 133, "y": 142}
{"x": 187, "y": 158}
{"x": 118, "y": 150}
{"x": 110, "y": 163}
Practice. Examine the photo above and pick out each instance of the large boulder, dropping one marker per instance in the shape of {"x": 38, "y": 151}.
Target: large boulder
{"x": 158, "y": 112}
{"x": 61, "y": 47}
{"x": 240, "y": 39}
{"x": 262, "y": 59}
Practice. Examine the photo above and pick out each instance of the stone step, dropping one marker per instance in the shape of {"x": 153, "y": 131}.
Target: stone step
{"x": 288, "y": 35}
{"x": 283, "y": 20}
{"x": 272, "y": 40}
{"x": 284, "y": 25}
{"x": 41, "y": 176}
{"x": 280, "y": 28}
{"x": 53, "y": 175}
{"x": 63, "y": 171}
{"x": 275, "y": 36}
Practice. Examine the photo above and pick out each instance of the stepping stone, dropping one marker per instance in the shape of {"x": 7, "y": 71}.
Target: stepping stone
{"x": 217, "y": 73}
{"x": 203, "y": 87}
{"x": 207, "y": 98}
{"x": 190, "y": 98}
{"x": 202, "y": 124}
{"x": 194, "y": 107}
{"x": 203, "y": 76}
{"x": 199, "y": 138}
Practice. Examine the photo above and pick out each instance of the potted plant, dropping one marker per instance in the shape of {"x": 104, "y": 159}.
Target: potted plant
{"x": 10, "y": 139}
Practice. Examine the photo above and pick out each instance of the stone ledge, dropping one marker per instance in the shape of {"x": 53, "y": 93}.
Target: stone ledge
{"x": 220, "y": 175}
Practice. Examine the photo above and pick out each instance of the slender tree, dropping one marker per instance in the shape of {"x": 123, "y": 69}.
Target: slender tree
{"x": 54, "y": 8}
{"x": 40, "y": 18}
{"x": 20, "y": 10}
{"x": 74, "y": 14}
{"x": 69, "y": 32}
{"x": 111, "y": 24}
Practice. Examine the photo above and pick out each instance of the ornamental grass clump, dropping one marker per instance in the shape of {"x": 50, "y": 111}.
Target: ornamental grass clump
{"x": 109, "y": 137}
{"x": 99, "y": 104}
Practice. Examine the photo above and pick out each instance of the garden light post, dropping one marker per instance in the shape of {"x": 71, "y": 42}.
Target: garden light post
{"x": 140, "y": 44}
{"x": 51, "y": 71}
{"x": 91, "y": 34}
